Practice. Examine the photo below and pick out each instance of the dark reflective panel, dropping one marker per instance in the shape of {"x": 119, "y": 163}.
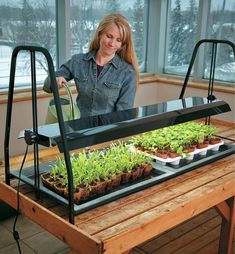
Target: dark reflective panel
{"x": 133, "y": 114}
{"x": 97, "y": 129}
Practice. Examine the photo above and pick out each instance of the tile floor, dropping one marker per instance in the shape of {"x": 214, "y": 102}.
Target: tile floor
{"x": 33, "y": 238}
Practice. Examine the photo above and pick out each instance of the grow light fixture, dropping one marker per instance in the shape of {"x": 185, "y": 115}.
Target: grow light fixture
{"x": 101, "y": 128}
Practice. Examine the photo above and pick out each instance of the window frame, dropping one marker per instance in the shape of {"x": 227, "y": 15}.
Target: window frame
{"x": 157, "y": 41}
{"x": 156, "y": 37}
{"x": 63, "y": 32}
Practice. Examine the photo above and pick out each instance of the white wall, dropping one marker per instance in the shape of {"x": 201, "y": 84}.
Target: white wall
{"x": 146, "y": 94}
{"x": 155, "y": 93}
{"x": 21, "y": 119}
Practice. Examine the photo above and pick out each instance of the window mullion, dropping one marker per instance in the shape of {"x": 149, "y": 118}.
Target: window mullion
{"x": 156, "y": 35}
{"x": 204, "y": 10}
{"x": 63, "y": 31}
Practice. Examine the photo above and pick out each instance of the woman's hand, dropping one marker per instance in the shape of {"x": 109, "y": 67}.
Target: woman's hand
{"x": 60, "y": 81}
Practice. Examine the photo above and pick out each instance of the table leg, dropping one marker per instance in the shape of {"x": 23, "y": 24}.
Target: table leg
{"x": 227, "y": 211}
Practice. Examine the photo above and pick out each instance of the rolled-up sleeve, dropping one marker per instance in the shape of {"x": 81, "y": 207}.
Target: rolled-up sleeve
{"x": 63, "y": 71}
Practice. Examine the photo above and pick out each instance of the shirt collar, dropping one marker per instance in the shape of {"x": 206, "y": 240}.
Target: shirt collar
{"x": 116, "y": 61}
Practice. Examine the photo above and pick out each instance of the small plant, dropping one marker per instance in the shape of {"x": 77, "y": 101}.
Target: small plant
{"x": 178, "y": 138}
{"x": 90, "y": 169}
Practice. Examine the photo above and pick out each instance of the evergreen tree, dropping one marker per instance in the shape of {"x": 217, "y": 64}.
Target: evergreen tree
{"x": 85, "y": 18}
{"x": 189, "y": 31}
{"x": 176, "y": 36}
{"x": 35, "y": 26}
{"x": 27, "y": 22}
{"x": 112, "y": 6}
{"x": 137, "y": 24}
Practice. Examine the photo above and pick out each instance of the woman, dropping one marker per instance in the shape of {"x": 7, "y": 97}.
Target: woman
{"x": 106, "y": 76}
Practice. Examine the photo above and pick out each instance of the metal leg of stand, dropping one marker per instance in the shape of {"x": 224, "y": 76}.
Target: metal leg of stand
{"x": 214, "y": 43}
{"x": 8, "y": 119}
{"x": 32, "y": 50}
{"x": 210, "y": 95}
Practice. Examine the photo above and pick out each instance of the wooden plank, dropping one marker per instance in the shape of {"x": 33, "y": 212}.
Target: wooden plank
{"x": 228, "y": 134}
{"x": 198, "y": 243}
{"x": 44, "y": 200}
{"x": 225, "y": 131}
{"x": 97, "y": 212}
{"x": 70, "y": 234}
{"x": 122, "y": 202}
{"x": 43, "y": 155}
{"x": 147, "y": 202}
{"x": 188, "y": 238}
{"x": 125, "y": 200}
{"x": 181, "y": 230}
{"x": 137, "y": 250}
{"x": 219, "y": 122}
{"x": 94, "y": 212}
{"x": 132, "y": 232}
{"x": 210, "y": 248}
{"x": 138, "y": 223}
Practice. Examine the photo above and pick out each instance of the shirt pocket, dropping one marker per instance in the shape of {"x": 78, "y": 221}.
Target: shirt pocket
{"x": 80, "y": 79}
{"x": 81, "y": 82}
{"x": 111, "y": 89}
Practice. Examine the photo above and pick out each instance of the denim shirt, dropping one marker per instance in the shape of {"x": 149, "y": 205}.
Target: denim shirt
{"x": 113, "y": 90}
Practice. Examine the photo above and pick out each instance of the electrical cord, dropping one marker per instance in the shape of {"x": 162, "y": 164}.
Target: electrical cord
{"x": 15, "y": 232}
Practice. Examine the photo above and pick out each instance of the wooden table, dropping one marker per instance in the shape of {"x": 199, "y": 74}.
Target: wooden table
{"x": 119, "y": 226}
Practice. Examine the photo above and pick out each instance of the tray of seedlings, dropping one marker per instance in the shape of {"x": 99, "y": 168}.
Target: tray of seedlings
{"x": 181, "y": 146}
{"x": 101, "y": 176}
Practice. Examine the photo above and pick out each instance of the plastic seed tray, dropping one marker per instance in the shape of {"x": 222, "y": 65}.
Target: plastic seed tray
{"x": 188, "y": 157}
{"x": 161, "y": 172}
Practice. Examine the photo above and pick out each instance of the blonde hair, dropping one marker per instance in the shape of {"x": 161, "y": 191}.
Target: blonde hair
{"x": 126, "y": 52}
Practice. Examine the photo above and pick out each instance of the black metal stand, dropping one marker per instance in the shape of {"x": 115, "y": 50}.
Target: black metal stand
{"x": 214, "y": 43}
{"x": 210, "y": 95}
{"x": 31, "y": 137}
{"x": 98, "y": 129}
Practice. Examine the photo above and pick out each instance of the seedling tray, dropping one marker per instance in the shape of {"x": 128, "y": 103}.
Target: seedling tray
{"x": 156, "y": 176}
{"x": 160, "y": 173}
{"x": 196, "y": 154}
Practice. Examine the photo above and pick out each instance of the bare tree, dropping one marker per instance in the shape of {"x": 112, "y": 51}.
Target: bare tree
{"x": 35, "y": 25}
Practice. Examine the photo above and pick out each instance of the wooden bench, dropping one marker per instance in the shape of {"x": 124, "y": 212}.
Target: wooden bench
{"x": 120, "y": 225}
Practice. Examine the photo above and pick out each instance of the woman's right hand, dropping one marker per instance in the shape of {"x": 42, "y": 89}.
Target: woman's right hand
{"x": 60, "y": 81}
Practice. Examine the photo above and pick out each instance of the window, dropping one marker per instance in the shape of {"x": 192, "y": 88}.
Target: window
{"x": 164, "y": 32}
{"x": 25, "y": 22}
{"x": 186, "y": 25}
{"x": 34, "y": 22}
{"x": 182, "y": 27}
{"x": 86, "y": 15}
{"x": 222, "y": 26}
